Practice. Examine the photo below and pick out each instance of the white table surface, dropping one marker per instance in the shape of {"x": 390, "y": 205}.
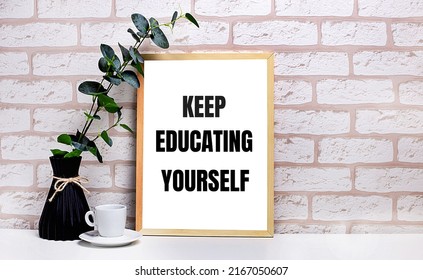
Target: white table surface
{"x": 25, "y": 244}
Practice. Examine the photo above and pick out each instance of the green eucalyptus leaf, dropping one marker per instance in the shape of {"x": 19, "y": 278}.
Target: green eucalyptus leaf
{"x": 107, "y": 51}
{"x": 140, "y": 23}
{"x": 135, "y": 55}
{"x": 98, "y": 155}
{"x": 102, "y": 65}
{"x": 108, "y": 103}
{"x": 138, "y": 66}
{"x": 74, "y": 153}
{"x": 90, "y": 117}
{"x": 113, "y": 79}
{"x": 157, "y": 35}
{"x": 116, "y": 63}
{"x": 135, "y": 36}
{"x": 189, "y": 17}
{"x": 105, "y": 99}
{"x": 125, "y": 53}
{"x": 126, "y": 127}
{"x": 80, "y": 146}
{"x": 112, "y": 108}
{"x": 159, "y": 38}
{"x": 131, "y": 78}
{"x": 105, "y": 136}
{"x": 91, "y": 88}
{"x": 145, "y": 36}
{"x": 173, "y": 21}
{"x": 154, "y": 23}
{"x": 58, "y": 153}
{"x": 64, "y": 139}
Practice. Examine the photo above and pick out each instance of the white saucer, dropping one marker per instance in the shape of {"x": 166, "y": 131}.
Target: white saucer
{"x": 94, "y": 238}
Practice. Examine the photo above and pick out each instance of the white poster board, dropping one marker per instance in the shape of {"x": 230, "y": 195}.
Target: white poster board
{"x": 205, "y": 145}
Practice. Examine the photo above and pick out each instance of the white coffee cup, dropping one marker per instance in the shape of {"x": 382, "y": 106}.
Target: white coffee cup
{"x": 109, "y": 219}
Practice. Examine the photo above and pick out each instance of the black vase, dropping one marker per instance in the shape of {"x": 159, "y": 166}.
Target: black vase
{"x": 63, "y": 217}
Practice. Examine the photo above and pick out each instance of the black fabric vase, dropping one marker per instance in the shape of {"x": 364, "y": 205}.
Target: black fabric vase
{"x": 63, "y": 217}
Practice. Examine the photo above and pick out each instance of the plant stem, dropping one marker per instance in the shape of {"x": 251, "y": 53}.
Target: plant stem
{"x": 137, "y": 45}
{"x": 88, "y": 122}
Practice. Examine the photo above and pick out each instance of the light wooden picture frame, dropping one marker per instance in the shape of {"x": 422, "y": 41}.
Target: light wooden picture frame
{"x": 204, "y": 163}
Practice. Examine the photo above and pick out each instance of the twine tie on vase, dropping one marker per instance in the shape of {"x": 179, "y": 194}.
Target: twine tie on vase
{"x": 61, "y": 184}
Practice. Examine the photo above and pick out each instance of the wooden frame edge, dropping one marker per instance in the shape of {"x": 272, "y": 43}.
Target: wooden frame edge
{"x": 270, "y": 153}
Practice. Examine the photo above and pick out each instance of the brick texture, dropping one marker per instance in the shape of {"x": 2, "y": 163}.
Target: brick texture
{"x": 39, "y": 34}
{"x": 223, "y": 8}
{"x": 314, "y": 7}
{"x": 354, "y": 91}
{"x": 275, "y": 33}
{"x": 348, "y": 102}
{"x": 312, "y": 179}
{"x": 17, "y": 9}
{"x": 312, "y": 63}
{"x": 74, "y": 9}
{"x": 354, "y": 33}
{"x": 333, "y": 208}
{"x": 393, "y": 9}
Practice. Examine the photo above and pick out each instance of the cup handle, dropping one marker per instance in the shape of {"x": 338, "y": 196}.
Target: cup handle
{"x": 87, "y": 220}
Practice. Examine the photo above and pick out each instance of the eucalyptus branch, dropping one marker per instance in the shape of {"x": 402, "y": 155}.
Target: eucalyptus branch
{"x": 115, "y": 73}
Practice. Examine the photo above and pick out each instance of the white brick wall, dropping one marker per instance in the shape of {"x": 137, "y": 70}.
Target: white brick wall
{"x": 14, "y": 223}
{"x": 151, "y": 8}
{"x": 311, "y": 122}
{"x": 309, "y": 229}
{"x": 314, "y": 7}
{"x": 39, "y": 35}
{"x": 410, "y": 93}
{"x": 407, "y": 34}
{"x": 96, "y": 33}
{"x": 389, "y": 179}
{"x": 410, "y": 208}
{"x": 389, "y": 121}
{"x": 13, "y": 120}
{"x": 347, "y": 94}
{"x": 27, "y": 147}
{"x": 223, "y": 8}
{"x": 13, "y": 63}
{"x": 312, "y": 63}
{"x": 289, "y": 207}
{"x": 211, "y": 33}
{"x": 388, "y": 63}
{"x": 354, "y": 91}
{"x": 275, "y": 33}
{"x": 394, "y": 9}
{"x": 409, "y": 149}
{"x": 292, "y": 92}
{"x": 353, "y": 33}
{"x": 334, "y": 207}
{"x": 383, "y": 229}
{"x": 74, "y": 8}
{"x": 295, "y": 149}
{"x": 355, "y": 150}
{"x": 65, "y": 120}
{"x": 35, "y": 92}
{"x": 17, "y": 9}
{"x": 125, "y": 176}
{"x": 22, "y": 203}
{"x": 16, "y": 175}
{"x": 63, "y": 64}
{"x": 312, "y": 179}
